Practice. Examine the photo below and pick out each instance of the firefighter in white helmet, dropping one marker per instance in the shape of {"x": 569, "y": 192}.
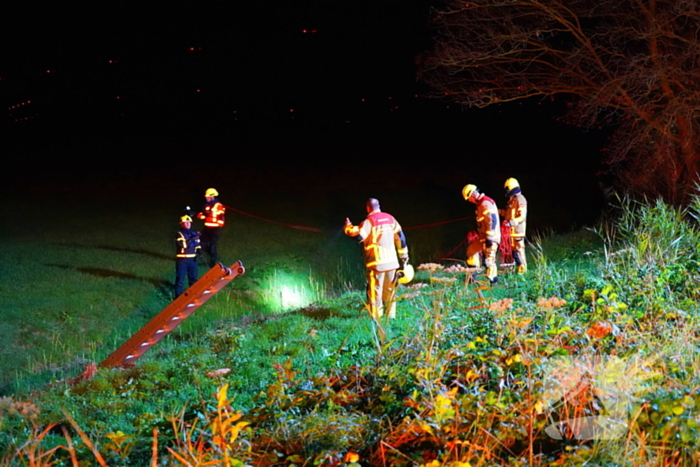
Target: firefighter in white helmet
{"x": 515, "y": 217}
{"x": 489, "y": 229}
{"x": 213, "y": 215}
{"x": 187, "y": 245}
{"x": 384, "y": 244}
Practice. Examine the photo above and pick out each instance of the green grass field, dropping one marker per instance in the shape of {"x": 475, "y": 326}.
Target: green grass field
{"x": 83, "y": 272}
{"x": 282, "y": 367}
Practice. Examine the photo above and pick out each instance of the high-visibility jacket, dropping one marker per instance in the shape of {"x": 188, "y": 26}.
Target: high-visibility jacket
{"x": 187, "y": 242}
{"x": 487, "y": 223}
{"x": 516, "y": 215}
{"x": 383, "y": 240}
{"x": 213, "y": 214}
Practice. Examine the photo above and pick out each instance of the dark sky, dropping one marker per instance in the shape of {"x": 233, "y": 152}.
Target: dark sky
{"x": 172, "y": 62}
{"x": 297, "y": 85}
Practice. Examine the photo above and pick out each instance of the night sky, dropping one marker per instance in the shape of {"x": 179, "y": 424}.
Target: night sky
{"x": 302, "y": 93}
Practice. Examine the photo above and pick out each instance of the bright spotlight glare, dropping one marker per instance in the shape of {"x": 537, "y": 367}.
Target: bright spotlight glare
{"x": 285, "y": 291}
{"x": 291, "y": 297}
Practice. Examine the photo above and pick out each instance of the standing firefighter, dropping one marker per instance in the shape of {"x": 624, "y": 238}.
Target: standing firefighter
{"x": 187, "y": 244}
{"x": 489, "y": 230}
{"x": 213, "y": 215}
{"x": 384, "y": 245}
{"x": 515, "y": 217}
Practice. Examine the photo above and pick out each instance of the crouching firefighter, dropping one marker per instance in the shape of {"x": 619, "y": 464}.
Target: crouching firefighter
{"x": 489, "y": 229}
{"x": 515, "y": 217}
{"x": 187, "y": 244}
{"x": 384, "y": 244}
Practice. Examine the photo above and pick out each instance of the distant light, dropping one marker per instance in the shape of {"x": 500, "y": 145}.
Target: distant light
{"x": 291, "y": 110}
{"x": 198, "y": 90}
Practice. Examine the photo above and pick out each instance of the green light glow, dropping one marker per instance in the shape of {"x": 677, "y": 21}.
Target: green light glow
{"x": 287, "y": 291}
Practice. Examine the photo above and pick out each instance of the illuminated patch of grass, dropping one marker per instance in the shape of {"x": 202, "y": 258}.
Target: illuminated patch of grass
{"x": 458, "y": 377}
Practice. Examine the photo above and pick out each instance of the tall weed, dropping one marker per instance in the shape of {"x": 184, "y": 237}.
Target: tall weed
{"x": 651, "y": 256}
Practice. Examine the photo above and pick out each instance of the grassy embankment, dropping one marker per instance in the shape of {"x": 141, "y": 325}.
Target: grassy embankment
{"x": 461, "y": 377}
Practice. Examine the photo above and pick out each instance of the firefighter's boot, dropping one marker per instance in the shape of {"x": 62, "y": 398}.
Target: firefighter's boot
{"x": 520, "y": 261}
{"x": 492, "y": 274}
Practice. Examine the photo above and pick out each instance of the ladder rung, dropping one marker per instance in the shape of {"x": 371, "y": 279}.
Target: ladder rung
{"x": 177, "y": 311}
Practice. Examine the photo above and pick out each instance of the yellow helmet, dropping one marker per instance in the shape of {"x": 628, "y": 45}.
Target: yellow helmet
{"x": 185, "y": 219}
{"x": 468, "y": 191}
{"x": 406, "y": 274}
{"x": 511, "y": 183}
{"x": 211, "y": 193}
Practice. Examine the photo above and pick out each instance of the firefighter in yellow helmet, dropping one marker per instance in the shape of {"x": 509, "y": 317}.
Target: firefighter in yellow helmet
{"x": 515, "y": 217}
{"x": 489, "y": 229}
{"x": 384, "y": 244}
{"x": 213, "y": 214}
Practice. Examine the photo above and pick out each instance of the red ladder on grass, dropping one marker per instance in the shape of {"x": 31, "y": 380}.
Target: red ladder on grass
{"x": 173, "y": 314}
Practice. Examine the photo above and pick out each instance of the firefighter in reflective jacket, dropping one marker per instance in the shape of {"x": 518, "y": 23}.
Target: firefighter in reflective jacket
{"x": 489, "y": 229}
{"x": 515, "y": 217}
{"x": 213, "y": 214}
{"x": 187, "y": 244}
{"x": 384, "y": 244}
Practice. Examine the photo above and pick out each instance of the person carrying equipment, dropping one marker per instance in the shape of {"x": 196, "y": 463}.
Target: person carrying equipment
{"x": 515, "y": 217}
{"x": 187, "y": 244}
{"x": 213, "y": 214}
{"x": 489, "y": 230}
{"x": 384, "y": 244}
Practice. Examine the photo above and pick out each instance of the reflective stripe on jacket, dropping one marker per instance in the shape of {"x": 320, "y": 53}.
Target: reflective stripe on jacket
{"x": 516, "y": 214}
{"x": 187, "y": 242}
{"x": 487, "y": 222}
{"x": 382, "y": 238}
{"x": 213, "y": 214}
